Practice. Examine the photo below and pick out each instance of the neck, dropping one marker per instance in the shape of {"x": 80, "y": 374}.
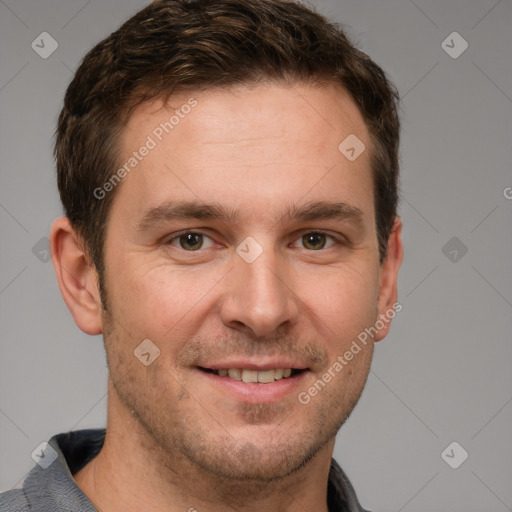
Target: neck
{"x": 131, "y": 474}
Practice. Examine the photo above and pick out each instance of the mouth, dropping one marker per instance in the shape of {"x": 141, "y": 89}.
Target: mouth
{"x": 256, "y": 382}
{"x": 255, "y": 376}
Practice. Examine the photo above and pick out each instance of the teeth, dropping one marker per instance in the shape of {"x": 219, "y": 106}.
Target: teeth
{"x": 266, "y": 376}
{"x": 235, "y": 373}
{"x": 249, "y": 376}
{"x": 263, "y": 377}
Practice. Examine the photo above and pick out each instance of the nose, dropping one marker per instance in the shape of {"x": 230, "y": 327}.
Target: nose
{"x": 258, "y": 297}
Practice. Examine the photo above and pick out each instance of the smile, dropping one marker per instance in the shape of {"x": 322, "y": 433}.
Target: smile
{"x": 254, "y": 376}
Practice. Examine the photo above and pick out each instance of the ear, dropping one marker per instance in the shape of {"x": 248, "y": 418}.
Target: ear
{"x": 76, "y": 275}
{"x": 387, "y": 300}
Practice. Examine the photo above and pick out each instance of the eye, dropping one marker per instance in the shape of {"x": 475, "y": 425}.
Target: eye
{"x": 192, "y": 241}
{"x": 316, "y": 240}
{"x": 189, "y": 241}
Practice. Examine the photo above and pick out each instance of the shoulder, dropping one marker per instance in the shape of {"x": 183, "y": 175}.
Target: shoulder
{"x": 341, "y": 495}
{"x": 50, "y": 487}
{"x": 14, "y": 500}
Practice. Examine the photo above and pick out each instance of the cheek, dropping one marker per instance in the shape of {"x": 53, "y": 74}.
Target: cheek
{"x": 156, "y": 301}
{"x": 343, "y": 299}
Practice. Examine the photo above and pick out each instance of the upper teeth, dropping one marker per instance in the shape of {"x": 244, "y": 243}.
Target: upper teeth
{"x": 264, "y": 376}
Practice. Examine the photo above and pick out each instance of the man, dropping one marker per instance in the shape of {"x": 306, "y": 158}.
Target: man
{"x": 229, "y": 175}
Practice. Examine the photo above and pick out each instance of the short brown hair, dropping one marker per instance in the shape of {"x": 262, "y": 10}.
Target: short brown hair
{"x": 186, "y": 45}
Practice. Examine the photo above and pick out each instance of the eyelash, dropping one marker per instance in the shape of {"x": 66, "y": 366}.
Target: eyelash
{"x": 337, "y": 240}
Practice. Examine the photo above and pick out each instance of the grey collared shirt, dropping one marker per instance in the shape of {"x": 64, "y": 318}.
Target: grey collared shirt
{"x": 52, "y": 488}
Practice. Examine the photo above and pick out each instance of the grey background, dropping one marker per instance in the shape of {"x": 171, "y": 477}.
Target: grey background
{"x": 443, "y": 374}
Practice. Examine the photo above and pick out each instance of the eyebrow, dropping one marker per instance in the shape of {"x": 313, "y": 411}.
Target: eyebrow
{"x": 315, "y": 210}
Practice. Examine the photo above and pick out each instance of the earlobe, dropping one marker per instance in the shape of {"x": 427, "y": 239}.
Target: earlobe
{"x": 387, "y": 301}
{"x": 77, "y": 277}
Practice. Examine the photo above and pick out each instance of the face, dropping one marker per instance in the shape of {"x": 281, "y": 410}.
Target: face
{"x": 243, "y": 246}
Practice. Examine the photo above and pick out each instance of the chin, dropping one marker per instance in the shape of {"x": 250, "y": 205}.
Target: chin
{"x": 254, "y": 461}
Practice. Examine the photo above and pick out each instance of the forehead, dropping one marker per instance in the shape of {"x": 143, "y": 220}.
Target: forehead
{"x": 249, "y": 147}
{"x": 266, "y": 109}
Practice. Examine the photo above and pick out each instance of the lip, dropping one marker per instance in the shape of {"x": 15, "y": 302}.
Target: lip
{"x": 255, "y": 393}
{"x": 259, "y": 366}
